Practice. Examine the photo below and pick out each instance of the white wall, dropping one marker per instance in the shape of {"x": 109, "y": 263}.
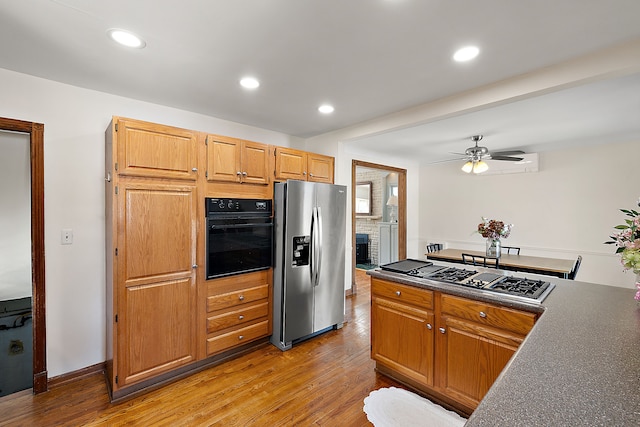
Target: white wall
{"x": 568, "y": 208}
{"x": 74, "y": 122}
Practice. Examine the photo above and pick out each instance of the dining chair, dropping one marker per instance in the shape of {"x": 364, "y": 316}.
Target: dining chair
{"x": 574, "y": 270}
{"x": 480, "y": 260}
{"x": 510, "y": 250}
{"x": 433, "y": 247}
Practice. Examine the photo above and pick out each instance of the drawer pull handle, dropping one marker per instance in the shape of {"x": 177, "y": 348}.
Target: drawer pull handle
{"x": 241, "y": 317}
{"x": 442, "y": 330}
{"x": 241, "y": 297}
{"x": 429, "y": 326}
{"x": 483, "y": 314}
{"x": 398, "y": 293}
{"x": 240, "y": 337}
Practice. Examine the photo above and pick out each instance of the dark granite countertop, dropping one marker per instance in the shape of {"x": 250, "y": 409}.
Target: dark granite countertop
{"x": 579, "y": 366}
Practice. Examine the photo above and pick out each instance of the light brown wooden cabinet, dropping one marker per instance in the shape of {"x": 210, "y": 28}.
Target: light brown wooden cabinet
{"x": 304, "y": 166}
{"x": 151, "y": 231}
{"x": 403, "y": 321}
{"x": 237, "y": 161}
{"x": 450, "y": 347}
{"x": 155, "y": 151}
{"x": 238, "y": 310}
{"x": 476, "y": 340}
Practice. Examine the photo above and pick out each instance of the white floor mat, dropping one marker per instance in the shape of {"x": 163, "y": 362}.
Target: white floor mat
{"x": 396, "y": 407}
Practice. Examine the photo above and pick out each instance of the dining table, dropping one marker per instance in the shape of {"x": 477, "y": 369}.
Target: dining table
{"x": 525, "y": 263}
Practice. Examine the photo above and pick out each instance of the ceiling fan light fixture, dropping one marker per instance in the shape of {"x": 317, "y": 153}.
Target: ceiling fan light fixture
{"x": 480, "y": 167}
{"x": 467, "y": 167}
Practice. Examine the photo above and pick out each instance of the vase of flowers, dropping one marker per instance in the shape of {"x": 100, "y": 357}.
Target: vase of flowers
{"x": 627, "y": 240}
{"x": 494, "y": 230}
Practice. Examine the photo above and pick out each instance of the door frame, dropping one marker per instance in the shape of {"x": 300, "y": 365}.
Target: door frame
{"x": 36, "y": 148}
{"x": 402, "y": 212}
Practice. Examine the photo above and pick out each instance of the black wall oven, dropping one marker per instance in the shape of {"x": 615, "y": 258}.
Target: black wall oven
{"x": 239, "y": 236}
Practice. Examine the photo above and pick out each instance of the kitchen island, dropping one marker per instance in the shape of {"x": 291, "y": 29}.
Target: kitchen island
{"x": 579, "y": 365}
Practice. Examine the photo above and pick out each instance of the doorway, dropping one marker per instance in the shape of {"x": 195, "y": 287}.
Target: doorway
{"x": 379, "y": 231}
{"x": 33, "y": 136}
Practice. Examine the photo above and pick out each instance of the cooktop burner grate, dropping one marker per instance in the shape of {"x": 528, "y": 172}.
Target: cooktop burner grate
{"x": 520, "y": 286}
{"x": 452, "y": 275}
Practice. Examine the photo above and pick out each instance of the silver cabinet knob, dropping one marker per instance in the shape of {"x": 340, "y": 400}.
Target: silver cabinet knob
{"x": 429, "y": 326}
{"x": 311, "y": 175}
{"x": 194, "y": 266}
{"x": 238, "y": 173}
{"x": 244, "y": 174}
{"x": 241, "y": 297}
{"x": 241, "y": 317}
{"x": 194, "y": 169}
{"x": 398, "y": 293}
{"x": 483, "y": 314}
{"x": 240, "y": 337}
{"x": 304, "y": 173}
{"x": 442, "y": 330}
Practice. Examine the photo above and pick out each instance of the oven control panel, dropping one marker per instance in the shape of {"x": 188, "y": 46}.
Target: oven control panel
{"x": 224, "y": 205}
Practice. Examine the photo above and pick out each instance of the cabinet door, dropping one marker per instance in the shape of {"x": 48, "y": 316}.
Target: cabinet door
{"x": 402, "y": 339}
{"x": 255, "y": 163}
{"x": 151, "y": 150}
{"x": 474, "y": 356}
{"x": 156, "y": 304}
{"x": 223, "y": 159}
{"x": 291, "y": 164}
{"x": 320, "y": 168}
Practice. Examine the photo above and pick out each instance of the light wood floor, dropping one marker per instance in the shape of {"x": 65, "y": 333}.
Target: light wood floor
{"x": 321, "y": 382}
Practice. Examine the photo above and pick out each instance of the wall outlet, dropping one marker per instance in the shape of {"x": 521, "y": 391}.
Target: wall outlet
{"x": 67, "y": 236}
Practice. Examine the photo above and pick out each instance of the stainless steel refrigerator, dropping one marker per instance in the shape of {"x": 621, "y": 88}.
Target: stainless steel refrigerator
{"x": 309, "y": 272}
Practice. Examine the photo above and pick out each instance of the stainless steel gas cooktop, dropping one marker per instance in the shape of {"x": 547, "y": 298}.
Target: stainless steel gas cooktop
{"x": 519, "y": 287}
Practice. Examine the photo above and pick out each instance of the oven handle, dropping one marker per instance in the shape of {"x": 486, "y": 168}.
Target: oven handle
{"x": 222, "y": 227}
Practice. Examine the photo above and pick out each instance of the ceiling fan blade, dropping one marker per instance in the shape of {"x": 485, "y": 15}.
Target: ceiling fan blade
{"x": 507, "y": 153}
{"x": 507, "y": 158}
{"x": 448, "y": 160}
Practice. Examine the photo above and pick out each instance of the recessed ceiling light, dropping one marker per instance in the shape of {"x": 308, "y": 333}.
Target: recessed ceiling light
{"x": 249, "y": 83}
{"x": 326, "y": 109}
{"x": 467, "y": 53}
{"x": 126, "y": 38}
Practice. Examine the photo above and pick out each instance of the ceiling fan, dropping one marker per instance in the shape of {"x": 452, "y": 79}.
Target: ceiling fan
{"x": 476, "y": 154}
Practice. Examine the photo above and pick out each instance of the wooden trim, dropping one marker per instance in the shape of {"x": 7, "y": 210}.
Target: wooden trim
{"x": 402, "y": 212}
{"x": 36, "y": 138}
{"x": 98, "y": 368}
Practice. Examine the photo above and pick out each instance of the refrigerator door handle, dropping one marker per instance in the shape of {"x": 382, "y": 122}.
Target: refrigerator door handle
{"x": 318, "y": 236}
{"x": 314, "y": 249}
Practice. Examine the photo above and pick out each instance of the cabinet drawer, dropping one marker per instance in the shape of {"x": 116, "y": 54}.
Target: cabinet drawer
{"x": 238, "y": 337}
{"x": 234, "y": 298}
{"x": 509, "y": 319}
{"x": 244, "y": 314}
{"x": 397, "y": 292}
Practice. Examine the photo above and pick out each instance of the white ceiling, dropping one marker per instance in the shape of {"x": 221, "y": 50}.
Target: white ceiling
{"x": 369, "y": 58}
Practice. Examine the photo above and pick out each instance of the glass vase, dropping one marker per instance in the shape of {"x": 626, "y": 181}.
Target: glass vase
{"x": 493, "y": 248}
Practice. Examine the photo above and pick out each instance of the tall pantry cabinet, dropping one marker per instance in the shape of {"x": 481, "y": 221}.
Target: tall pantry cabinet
{"x": 151, "y": 240}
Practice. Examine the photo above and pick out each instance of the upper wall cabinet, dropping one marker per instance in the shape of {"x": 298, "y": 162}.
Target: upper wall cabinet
{"x": 152, "y": 150}
{"x": 296, "y": 164}
{"x": 238, "y": 161}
